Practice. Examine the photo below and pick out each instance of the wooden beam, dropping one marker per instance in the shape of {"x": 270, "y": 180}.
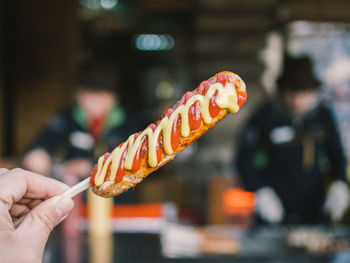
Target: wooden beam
{"x": 315, "y": 10}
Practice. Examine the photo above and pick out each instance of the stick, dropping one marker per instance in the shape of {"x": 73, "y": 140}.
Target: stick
{"x": 71, "y": 192}
{"x": 78, "y": 188}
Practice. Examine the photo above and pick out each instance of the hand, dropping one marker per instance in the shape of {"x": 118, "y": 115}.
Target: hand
{"x": 337, "y": 200}
{"x": 33, "y": 195}
{"x": 72, "y": 171}
{"x": 38, "y": 161}
{"x": 269, "y": 206}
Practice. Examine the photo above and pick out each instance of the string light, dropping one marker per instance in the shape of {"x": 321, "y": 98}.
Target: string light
{"x": 154, "y": 42}
{"x": 99, "y": 4}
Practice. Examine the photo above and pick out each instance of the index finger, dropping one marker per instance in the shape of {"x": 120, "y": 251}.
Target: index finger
{"x": 3, "y": 170}
{"x": 18, "y": 183}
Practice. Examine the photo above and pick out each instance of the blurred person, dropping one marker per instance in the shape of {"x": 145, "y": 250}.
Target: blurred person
{"x": 94, "y": 124}
{"x": 288, "y": 150}
{"x": 25, "y": 193}
{"x": 79, "y": 134}
{"x": 70, "y": 144}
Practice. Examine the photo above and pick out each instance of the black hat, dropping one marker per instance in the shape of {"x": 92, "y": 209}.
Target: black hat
{"x": 297, "y": 75}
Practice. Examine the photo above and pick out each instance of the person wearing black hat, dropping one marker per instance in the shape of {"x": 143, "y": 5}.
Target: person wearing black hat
{"x": 290, "y": 149}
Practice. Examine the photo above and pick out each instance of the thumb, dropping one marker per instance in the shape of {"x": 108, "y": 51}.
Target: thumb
{"x": 38, "y": 224}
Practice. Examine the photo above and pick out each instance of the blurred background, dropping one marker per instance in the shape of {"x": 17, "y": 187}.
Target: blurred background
{"x": 162, "y": 49}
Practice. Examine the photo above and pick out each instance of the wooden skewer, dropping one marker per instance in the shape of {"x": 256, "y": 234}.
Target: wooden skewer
{"x": 71, "y": 192}
{"x": 78, "y": 188}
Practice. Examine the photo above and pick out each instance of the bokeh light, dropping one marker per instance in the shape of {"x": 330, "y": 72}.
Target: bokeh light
{"x": 154, "y": 42}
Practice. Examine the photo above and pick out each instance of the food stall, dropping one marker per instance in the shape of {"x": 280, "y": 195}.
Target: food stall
{"x": 193, "y": 209}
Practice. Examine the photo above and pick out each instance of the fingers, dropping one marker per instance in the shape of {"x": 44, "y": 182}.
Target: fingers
{"x": 25, "y": 201}
{"x": 31, "y": 203}
{"x": 3, "y": 170}
{"x": 23, "y": 207}
{"x": 43, "y": 218}
{"x": 18, "y": 210}
{"x": 34, "y": 203}
{"x": 18, "y": 183}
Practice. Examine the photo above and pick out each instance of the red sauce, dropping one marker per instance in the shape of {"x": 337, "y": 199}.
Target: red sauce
{"x": 194, "y": 113}
{"x": 106, "y": 155}
{"x": 94, "y": 170}
{"x": 213, "y": 79}
{"x": 142, "y": 149}
{"x": 194, "y": 116}
{"x": 138, "y": 156}
{"x": 159, "y": 147}
{"x": 175, "y": 130}
{"x": 222, "y": 78}
{"x": 185, "y": 98}
{"x": 121, "y": 168}
{"x": 203, "y": 87}
{"x": 214, "y": 109}
{"x": 93, "y": 174}
{"x": 242, "y": 97}
{"x": 168, "y": 112}
{"x": 175, "y": 133}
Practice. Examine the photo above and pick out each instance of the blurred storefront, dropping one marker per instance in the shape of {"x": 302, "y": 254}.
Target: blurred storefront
{"x": 162, "y": 49}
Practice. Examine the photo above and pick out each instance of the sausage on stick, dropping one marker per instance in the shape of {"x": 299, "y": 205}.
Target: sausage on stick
{"x": 146, "y": 151}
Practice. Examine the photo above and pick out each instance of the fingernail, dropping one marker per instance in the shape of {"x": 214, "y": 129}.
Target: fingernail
{"x": 64, "y": 206}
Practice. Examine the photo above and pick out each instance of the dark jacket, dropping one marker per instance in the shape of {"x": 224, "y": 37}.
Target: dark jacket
{"x": 67, "y": 135}
{"x": 293, "y": 156}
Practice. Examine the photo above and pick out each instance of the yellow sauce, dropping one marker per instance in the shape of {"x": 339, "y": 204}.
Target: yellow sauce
{"x": 226, "y": 99}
